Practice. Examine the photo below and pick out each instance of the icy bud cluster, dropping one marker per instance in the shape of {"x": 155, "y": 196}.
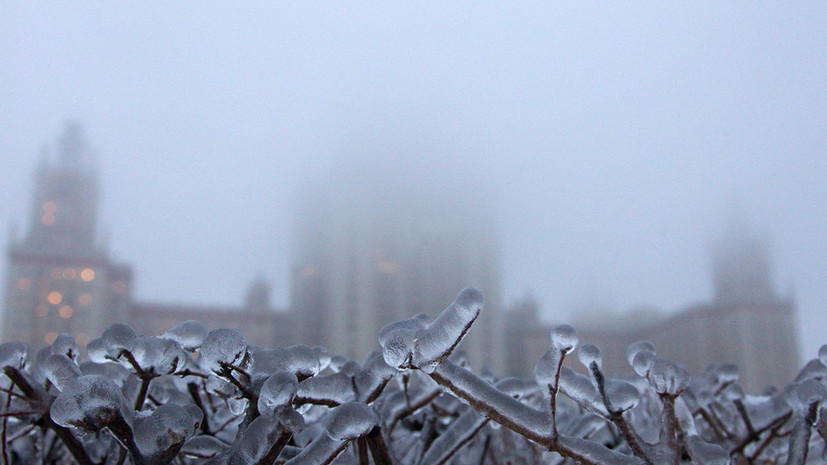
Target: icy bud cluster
{"x": 564, "y": 338}
{"x": 416, "y": 342}
{"x": 667, "y": 377}
{"x": 188, "y": 334}
{"x": 89, "y": 402}
{"x": 222, "y": 349}
{"x": 13, "y": 354}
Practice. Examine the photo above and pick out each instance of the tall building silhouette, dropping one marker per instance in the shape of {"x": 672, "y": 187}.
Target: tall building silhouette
{"x": 746, "y": 323}
{"x": 374, "y": 244}
{"x": 60, "y": 278}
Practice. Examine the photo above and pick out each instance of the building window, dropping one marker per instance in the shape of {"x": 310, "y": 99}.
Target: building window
{"x": 54, "y": 298}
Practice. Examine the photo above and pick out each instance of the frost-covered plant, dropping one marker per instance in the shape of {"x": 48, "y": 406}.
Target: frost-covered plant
{"x": 190, "y": 396}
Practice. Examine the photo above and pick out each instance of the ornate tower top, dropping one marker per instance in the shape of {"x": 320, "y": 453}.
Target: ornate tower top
{"x": 742, "y": 268}
{"x": 64, "y": 205}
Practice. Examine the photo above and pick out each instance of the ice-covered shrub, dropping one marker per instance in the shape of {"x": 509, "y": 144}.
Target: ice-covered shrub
{"x": 190, "y": 396}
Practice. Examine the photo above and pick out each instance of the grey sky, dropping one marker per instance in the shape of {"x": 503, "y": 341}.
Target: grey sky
{"x": 616, "y": 137}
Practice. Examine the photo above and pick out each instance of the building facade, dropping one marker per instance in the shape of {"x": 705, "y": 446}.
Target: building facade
{"x": 373, "y": 246}
{"x": 60, "y": 279}
{"x": 746, "y": 323}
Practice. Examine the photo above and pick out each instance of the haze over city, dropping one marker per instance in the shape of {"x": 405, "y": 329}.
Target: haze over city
{"x": 614, "y": 143}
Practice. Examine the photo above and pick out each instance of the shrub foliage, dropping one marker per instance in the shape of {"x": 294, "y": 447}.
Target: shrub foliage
{"x": 189, "y": 396}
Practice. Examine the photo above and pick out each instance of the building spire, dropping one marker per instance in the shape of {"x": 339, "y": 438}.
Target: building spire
{"x": 71, "y": 144}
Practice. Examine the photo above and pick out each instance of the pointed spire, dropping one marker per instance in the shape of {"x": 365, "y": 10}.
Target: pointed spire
{"x": 72, "y": 144}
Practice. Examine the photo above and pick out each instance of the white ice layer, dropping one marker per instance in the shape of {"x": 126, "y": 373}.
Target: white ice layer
{"x": 434, "y": 344}
{"x": 222, "y": 347}
{"x": 350, "y": 421}
{"x": 564, "y": 337}
{"x": 59, "y": 370}
{"x": 189, "y": 334}
{"x": 89, "y": 402}
{"x": 277, "y": 391}
{"x": 13, "y": 354}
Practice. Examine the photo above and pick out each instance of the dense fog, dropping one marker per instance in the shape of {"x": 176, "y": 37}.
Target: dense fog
{"x": 613, "y": 145}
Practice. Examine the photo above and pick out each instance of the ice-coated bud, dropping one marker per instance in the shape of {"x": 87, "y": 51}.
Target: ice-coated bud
{"x": 277, "y": 391}
{"x": 291, "y": 420}
{"x": 89, "y": 402}
{"x": 301, "y": 360}
{"x": 118, "y": 337}
{"x": 545, "y": 372}
{"x": 667, "y": 377}
{"x": 169, "y": 425}
{"x": 803, "y": 394}
{"x": 188, "y": 334}
{"x": 350, "y": 421}
{"x": 622, "y": 395}
{"x": 643, "y": 362}
{"x": 589, "y": 354}
{"x": 333, "y": 389}
{"x": 822, "y": 354}
{"x": 397, "y": 340}
{"x": 60, "y": 370}
{"x": 435, "y": 343}
{"x": 323, "y": 356}
{"x": 637, "y": 347}
{"x": 96, "y": 351}
{"x": 65, "y": 344}
{"x": 222, "y": 347}
{"x": 564, "y": 338}
{"x": 13, "y": 354}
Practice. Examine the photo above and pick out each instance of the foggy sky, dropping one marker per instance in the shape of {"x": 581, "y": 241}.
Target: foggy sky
{"x": 617, "y": 139}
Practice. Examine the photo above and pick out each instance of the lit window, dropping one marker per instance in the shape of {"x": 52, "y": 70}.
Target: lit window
{"x": 87, "y": 274}
{"x": 24, "y": 284}
{"x": 65, "y": 311}
{"x": 48, "y": 219}
{"x": 69, "y": 273}
{"x": 82, "y": 339}
{"x": 41, "y": 310}
{"x": 49, "y": 207}
{"x": 54, "y": 298}
{"x": 85, "y": 299}
{"x": 50, "y": 337}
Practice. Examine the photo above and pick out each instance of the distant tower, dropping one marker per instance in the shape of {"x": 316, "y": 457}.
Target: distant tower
{"x": 58, "y": 278}
{"x": 374, "y": 245}
{"x": 748, "y": 323}
{"x": 257, "y": 299}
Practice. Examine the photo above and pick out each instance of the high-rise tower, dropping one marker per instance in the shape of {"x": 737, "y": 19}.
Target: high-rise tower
{"x": 374, "y": 244}
{"x": 59, "y": 279}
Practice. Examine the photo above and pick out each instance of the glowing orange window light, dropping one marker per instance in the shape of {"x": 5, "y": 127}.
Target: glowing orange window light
{"x": 65, "y": 312}
{"x": 88, "y": 274}
{"x": 54, "y": 298}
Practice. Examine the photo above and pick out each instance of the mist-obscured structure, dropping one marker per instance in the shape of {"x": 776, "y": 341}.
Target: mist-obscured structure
{"x": 60, "y": 275}
{"x": 746, "y": 323}
{"x": 375, "y": 243}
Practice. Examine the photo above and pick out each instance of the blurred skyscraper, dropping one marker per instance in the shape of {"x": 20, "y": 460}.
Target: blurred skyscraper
{"x": 60, "y": 278}
{"x": 376, "y": 244}
{"x": 746, "y": 323}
